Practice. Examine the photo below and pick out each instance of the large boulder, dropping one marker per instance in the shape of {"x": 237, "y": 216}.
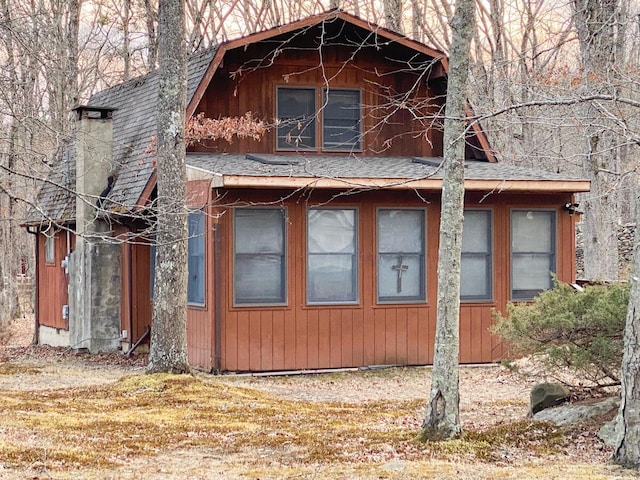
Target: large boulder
{"x": 568, "y": 414}
{"x": 546, "y": 395}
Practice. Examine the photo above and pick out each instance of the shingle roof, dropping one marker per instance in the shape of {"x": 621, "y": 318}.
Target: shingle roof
{"x": 351, "y": 167}
{"x": 134, "y": 125}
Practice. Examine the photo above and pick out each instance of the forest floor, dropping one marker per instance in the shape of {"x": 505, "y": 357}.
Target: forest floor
{"x": 70, "y": 415}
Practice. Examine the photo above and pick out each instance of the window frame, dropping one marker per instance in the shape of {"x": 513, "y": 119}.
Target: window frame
{"x": 553, "y": 255}
{"x": 326, "y": 92}
{"x": 489, "y": 256}
{"x": 422, "y": 298}
{"x": 284, "y": 268}
{"x": 200, "y": 236}
{"x": 355, "y": 272}
{"x": 294, "y": 148}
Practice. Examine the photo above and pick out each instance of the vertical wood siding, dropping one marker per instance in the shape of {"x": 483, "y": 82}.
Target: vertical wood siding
{"x": 298, "y": 336}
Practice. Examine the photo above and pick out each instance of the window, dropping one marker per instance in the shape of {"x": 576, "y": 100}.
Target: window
{"x": 50, "y": 249}
{"x": 296, "y": 118}
{"x": 476, "y": 272}
{"x": 331, "y": 256}
{"x": 195, "y": 283}
{"x": 297, "y": 111}
{"x": 401, "y": 255}
{"x": 533, "y": 255}
{"x": 341, "y": 120}
{"x": 259, "y": 268}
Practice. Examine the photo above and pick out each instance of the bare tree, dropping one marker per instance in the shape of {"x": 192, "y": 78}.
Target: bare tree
{"x": 442, "y": 420}
{"x": 627, "y": 449}
{"x": 168, "y": 352}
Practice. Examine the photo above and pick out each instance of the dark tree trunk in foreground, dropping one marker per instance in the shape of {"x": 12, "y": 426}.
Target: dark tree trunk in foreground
{"x": 168, "y": 351}
{"x": 627, "y": 450}
{"x": 442, "y": 420}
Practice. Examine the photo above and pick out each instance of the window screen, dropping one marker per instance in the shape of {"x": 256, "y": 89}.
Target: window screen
{"x": 476, "y": 271}
{"x": 196, "y": 265}
{"x": 533, "y": 255}
{"x": 331, "y": 256}
{"x": 259, "y": 256}
{"x": 401, "y": 255}
{"x": 341, "y": 126}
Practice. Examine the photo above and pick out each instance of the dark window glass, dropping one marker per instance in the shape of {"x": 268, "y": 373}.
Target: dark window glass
{"x": 341, "y": 125}
{"x": 196, "y": 244}
{"x": 296, "y": 118}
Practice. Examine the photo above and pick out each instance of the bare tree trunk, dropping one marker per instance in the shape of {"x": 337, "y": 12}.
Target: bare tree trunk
{"x": 627, "y": 450}
{"x": 168, "y": 351}
{"x": 393, "y": 15}
{"x": 152, "y": 19}
{"x": 599, "y": 40}
{"x": 442, "y": 420}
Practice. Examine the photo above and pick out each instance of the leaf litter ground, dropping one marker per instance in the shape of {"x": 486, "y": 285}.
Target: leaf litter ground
{"x": 69, "y": 415}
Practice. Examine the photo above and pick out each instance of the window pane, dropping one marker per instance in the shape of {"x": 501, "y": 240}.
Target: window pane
{"x": 50, "y": 249}
{"x": 296, "y": 118}
{"x": 531, "y": 231}
{"x": 475, "y": 280}
{"x": 400, "y": 255}
{"x": 330, "y": 278}
{"x": 341, "y": 120}
{"x": 476, "y": 272}
{"x": 259, "y": 256}
{"x": 331, "y": 259}
{"x": 332, "y": 231}
{"x": 196, "y": 264}
{"x": 533, "y": 252}
{"x": 400, "y": 231}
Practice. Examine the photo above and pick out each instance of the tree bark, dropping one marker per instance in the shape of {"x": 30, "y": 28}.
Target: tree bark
{"x": 627, "y": 450}
{"x": 442, "y": 420}
{"x": 168, "y": 351}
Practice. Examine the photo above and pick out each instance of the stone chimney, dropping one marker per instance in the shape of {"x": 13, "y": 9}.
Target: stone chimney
{"x": 94, "y": 266}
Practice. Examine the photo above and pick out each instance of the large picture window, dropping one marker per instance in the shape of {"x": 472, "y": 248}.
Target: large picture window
{"x": 196, "y": 265}
{"x": 533, "y": 252}
{"x": 341, "y": 120}
{"x": 476, "y": 272}
{"x": 259, "y": 267}
{"x": 296, "y": 118}
{"x": 331, "y": 256}
{"x": 401, "y": 243}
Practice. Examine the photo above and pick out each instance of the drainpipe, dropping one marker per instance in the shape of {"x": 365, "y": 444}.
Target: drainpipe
{"x": 130, "y": 293}
{"x": 217, "y": 301}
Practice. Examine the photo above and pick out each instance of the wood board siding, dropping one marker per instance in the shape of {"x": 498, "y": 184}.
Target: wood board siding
{"x": 299, "y": 336}
{"x": 53, "y": 291}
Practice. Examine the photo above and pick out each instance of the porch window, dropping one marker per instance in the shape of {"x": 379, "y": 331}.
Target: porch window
{"x": 341, "y": 120}
{"x": 296, "y": 113}
{"x": 533, "y": 252}
{"x": 476, "y": 272}
{"x": 196, "y": 265}
{"x": 50, "y": 249}
{"x": 259, "y": 265}
{"x": 401, "y": 242}
{"x": 331, "y": 256}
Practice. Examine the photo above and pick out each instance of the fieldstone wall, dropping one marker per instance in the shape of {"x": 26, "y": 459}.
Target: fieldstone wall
{"x": 626, "y": 234}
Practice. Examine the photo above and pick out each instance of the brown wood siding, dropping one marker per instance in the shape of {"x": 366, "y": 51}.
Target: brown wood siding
{"x": 299, "y": 336}
{"x": 389, "y": 127}
{"x": 53, "y": 283}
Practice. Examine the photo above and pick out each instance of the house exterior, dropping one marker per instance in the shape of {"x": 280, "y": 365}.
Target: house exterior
{"x": 315, "y": 246}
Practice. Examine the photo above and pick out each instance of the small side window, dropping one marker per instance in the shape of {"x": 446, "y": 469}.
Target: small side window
{"x": 50, "y": 249}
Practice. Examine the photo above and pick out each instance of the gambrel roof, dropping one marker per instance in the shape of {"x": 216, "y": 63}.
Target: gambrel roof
{"x": 134, "y": 126}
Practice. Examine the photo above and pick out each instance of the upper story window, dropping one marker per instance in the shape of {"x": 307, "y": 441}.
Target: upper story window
{"x": 339, "y": 115}
{"x": 401, "y": 255}
{"x": 341, "y": 120}
{"x": 475, "y": 275}
{"x": 332, "y": 263}
{"x": 296, "y": 118}
{"x": 259, "y": 263}
{"x": 533, "y": 252}
{"x": 196, "y": 264}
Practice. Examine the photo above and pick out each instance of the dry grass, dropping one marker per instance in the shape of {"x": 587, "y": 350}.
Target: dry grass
{"x": 163, "y": 426}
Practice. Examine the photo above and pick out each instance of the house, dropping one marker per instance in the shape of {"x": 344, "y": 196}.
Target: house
{"x": 314, "y": 246}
